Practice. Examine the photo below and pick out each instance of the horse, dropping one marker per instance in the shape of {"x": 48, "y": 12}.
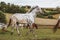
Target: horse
{"x": 3, "y": 26}
{"x": 28, "y": 18}
{"x": 57, "y": 25}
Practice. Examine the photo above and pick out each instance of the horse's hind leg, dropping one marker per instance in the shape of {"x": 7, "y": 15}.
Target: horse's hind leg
{"x": 32, "y": 28}
{"x": 12, "y": 29}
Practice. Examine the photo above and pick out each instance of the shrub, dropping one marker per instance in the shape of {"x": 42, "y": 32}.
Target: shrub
{"x": 22, "y": 10}
{"x": 50, "y": 13}
{"x": 40, "y": 16}
{"x": 50, "y": 16}
{"x": 2, "y": 17}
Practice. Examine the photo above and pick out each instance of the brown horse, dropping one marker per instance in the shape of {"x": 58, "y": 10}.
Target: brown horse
{"x": 56, "y": 26}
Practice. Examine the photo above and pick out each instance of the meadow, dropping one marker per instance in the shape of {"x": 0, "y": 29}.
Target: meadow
{"x": 42, "y": 33}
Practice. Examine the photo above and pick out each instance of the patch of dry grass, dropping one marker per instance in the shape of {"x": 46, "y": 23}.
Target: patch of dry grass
{"x": 42, "y": 21}
{"x": 56, "y": 16}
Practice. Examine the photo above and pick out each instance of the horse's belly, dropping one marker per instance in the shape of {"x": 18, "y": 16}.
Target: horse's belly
{"x": 22, "y": 21}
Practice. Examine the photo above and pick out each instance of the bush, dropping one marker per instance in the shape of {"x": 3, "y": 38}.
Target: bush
{"x": 50, "y": 16}
{"x": 2, "y": 17}
{"x": 22, "y": 10}
{"x": 51, "y": 13}
{"x": 40, "y": 16}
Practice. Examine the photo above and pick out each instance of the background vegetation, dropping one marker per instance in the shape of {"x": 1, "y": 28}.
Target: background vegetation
{"x": 2, "y": 17}
{"x": 11, "y": 8}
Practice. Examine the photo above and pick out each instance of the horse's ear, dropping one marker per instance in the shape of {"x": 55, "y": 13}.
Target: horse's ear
{"x": 36, "y": 6}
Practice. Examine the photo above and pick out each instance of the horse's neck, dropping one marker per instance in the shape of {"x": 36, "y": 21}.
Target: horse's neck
{"x": 33, "y": 13}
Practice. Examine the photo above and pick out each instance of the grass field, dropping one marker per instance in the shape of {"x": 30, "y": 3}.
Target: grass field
{"x": 40, "y": 34}
{"x": 43, "y": 33}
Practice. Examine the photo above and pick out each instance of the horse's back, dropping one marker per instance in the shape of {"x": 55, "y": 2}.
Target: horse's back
{"x": 21, "y": 18}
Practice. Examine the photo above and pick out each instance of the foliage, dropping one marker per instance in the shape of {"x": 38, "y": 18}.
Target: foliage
{"x": 2, "y": 17}
{"x": 50, "y": 16}
{"x": 50, "y": 13}
{"x": 39, "y": 15}
{"x": 22, "y": 10}
{"x": 11, "y": 8}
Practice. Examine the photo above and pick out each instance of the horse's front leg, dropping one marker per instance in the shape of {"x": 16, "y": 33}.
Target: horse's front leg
{"x": 12, "y": 29}
{"x": 30, "y": 29}
{"x": 17, "y": 28}
{"x": 21, "y": 26}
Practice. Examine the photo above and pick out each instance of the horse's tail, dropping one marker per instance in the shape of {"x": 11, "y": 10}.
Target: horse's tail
{"x": 36, "y": 26}
{"x": 56, "y": 26}
{"x": 9, "y": 23}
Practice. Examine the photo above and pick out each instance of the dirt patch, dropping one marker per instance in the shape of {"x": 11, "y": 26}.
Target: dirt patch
{"x": 42, "y": 21}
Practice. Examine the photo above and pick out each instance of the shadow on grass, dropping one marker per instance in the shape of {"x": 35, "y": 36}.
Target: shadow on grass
{"x": 42, "y": 39}
{"x": 47, "y": 39}
{"x": 4, "y": 32}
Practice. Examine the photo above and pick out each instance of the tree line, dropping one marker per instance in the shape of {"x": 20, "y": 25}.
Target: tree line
{"x": 11, "y": 8}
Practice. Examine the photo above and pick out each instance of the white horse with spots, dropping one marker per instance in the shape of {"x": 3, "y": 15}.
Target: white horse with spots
{"x": 3, "y": 26}
{"x": 28, "y": 18}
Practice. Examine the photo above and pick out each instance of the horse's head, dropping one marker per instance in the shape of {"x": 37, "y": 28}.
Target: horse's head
{"x": 3, "y": 26}
{"x": 38, "y": 10}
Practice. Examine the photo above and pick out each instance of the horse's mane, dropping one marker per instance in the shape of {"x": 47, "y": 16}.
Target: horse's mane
{"x": 32, "y": 9}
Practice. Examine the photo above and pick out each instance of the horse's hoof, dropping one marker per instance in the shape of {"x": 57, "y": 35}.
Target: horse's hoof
{"x": 31, "y": 30}
{"x": 11, "y": 33}
{"x": 18, "y": 34}
{"x": 26, "y": 34}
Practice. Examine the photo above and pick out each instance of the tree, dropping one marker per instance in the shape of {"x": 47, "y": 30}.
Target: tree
{"x": 2, "y": 17}
{"x": 11, "y": 8}
{"x": 58, "y": 9}
{"x": 3, "y": 6}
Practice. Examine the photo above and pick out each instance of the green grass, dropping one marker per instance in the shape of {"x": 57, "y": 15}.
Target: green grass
{"x": 40, "y": 34}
